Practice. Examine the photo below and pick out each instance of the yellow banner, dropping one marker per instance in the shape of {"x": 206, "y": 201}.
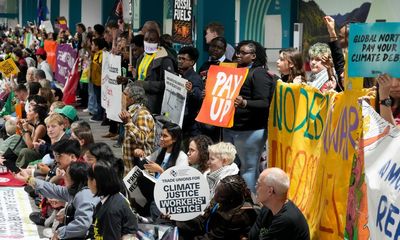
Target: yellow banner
{"x": 313, "y": 137}
{"x": 8, "y": 67}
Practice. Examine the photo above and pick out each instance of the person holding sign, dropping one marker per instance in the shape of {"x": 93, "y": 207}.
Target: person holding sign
{"x": 249, "y": 131}
{"x": 229, "y": 216}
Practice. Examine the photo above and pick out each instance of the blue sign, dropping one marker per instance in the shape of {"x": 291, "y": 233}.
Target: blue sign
{"x": 374, "y": 48}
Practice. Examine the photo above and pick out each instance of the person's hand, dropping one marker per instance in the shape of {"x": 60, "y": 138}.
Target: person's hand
{"x": 38, "y": 143}
{"x": 189, "y": 86}
{"x": 153, "y": 167}
{"x": 240, "y": 102}
{"x": 138, "y": 153}
{"x": 124, "y": 116}
{"x": 132, "y": 69}
{"x": 122, "y": 80}
{"x": 55, "y": 236}
{"x": 385, "y": 83}
{"x": 23, "y": 175}
{"x": 7, "y": 117}
{"x": 60, "y": 215}
{"x": 2, "y": 159}
{"x": 43, "y": 168}
{"x": 330, "y": 25}
{"x": 203, "y": 93}
{"x": 60, "y": 172}
{"x": 26, "y": 126}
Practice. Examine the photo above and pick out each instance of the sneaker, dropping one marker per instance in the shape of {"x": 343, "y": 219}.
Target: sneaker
{"x": 85, "y": 110}
{"x": 110, "y": 135}
{"x": 92, "y": 119}
{"x": 36, "y": 217}
{"x": 48, "y": 232}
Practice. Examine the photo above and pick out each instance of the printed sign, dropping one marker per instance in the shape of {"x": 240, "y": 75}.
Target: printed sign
{"x": 182, "y": 21}
{"x": 374, "y": 48}
{"x": 14, "y": 215}
{"x": 132, "y": 180}
{"x": 222, "y": 87}
{"x": 382, "y": 174}
{"x": 182, "y": 192}
{"x": 174, "y": 100}
{"x": 66, "y": 57}
{"x": 46, "y": 25}
{"x": 8, "y": 68}
{"x": 111, "y": 91}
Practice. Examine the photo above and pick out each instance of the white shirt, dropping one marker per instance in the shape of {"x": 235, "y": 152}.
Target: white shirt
{"x": 44, "y": 65}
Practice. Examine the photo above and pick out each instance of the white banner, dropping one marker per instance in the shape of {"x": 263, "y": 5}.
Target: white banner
{"x": 381, "y": 144}
{"x": 182, "y": 192}
{"x": 174, "y": 100}
{"x": 111, "y": 92}
{"x": 14, "y": 215}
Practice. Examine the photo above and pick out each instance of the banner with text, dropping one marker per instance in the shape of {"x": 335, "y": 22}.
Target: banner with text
{"x": 313, "y": 136}
{"x": 374, "y": 48}
{"x": 8, "y": 68}
{"x": 174, "y": 100}
{"x": 66, "y": 56}
{"x": 382, "y": 175}
{"x": 14, "y": 215}
{"x": 111, "y": 91}
{"x": 182, "y": 21}
{"x": 222, "y": 87}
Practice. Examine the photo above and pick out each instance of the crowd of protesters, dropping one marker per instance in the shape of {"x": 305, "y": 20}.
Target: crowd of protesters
{"x": 77, "y": 181}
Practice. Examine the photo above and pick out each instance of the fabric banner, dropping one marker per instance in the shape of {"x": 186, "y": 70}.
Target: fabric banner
{"x": 66, "y": 57}
{"x": 174, "y": 100}
{"x": 71, "y": 85}
{"x": 111, "y": 91}
{"x": 28, "y": 39}
{"x": 382, "y": 174}
{"x": 374, "y": 49}
{"x": 8, "y": 68}
{"x": 313, "y": 137}
{"x": 14, "y": 215}
{"x": 51, "y": 47}
{"x": 222, "y": 87}
{"x": 182, "y": 21}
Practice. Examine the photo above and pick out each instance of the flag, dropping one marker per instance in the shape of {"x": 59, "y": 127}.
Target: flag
{"x": 116, "y": 13}
{"x": 71, "y": 84}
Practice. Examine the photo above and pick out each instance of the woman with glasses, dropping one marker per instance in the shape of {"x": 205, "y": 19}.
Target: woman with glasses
{"x": 249, "y": 131}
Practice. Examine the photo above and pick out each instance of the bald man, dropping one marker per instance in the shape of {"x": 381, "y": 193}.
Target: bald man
{"x": 279, "y": 217}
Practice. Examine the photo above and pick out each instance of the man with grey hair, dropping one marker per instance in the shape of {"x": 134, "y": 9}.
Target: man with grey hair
{"x": 279, "y": 218}
{"x": 139, "y": 126}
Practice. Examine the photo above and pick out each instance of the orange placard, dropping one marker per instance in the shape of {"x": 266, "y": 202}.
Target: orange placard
{"x": 50, "y": 47}
{"x": 222, "y": 87}
{"x": 18, "y": 111}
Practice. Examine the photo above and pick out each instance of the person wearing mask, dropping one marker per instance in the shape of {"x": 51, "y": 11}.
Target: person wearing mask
{"x": 279, "y": 218}
{"x": 187, "y": 58}
{"x": 150, "y": 70}
{"x": 41, "y": 57}
{"x": 249, "y": 130}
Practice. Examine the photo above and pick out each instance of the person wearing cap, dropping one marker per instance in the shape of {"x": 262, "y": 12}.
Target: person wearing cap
{"x": 41, "y": 57}
{"x": 70, "y": 115}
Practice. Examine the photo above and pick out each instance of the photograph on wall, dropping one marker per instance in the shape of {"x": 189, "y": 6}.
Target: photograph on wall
{"x": 182, "y": 21}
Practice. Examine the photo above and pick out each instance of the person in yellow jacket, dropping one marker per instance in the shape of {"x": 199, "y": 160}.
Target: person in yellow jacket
{"x": 98, "y": 45}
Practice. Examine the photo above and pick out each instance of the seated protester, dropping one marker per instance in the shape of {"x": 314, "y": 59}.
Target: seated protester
{"x": 169, "y": 153}
{"x": 14, "y": 141}
{"x": 187, "y": 58}
{"x": 216, "y": 53}
{"x": 102, "y": 152}
{"x": 221, "y": 164}
{"x": 230, "y": 215}
{"x": 70, "y": 115}
{"x": 54, "y": 105}
{"x": 323, "y": 74}
{"x": 33, "y": 129}
{"x": 35, "y": 100}
{"x": 81, "y": 203}
{"x": 58, "y": 94}
{"x": 279, "y": 218}
{"x": 47, "y": 94}
{"x": 198, "y": 154}
{"x": 113, "y": 218}
{"x": 19, "y": 95}
{"x": 151, "y": 68}
{"x": 65, "y": 152}
{"x": 81, "y": 131}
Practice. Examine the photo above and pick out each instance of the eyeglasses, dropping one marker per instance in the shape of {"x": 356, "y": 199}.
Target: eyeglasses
{"x": 243, "y": 53}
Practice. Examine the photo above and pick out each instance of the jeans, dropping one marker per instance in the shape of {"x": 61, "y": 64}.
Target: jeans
{"x": 100, "y": 110}
{"x": 92, "y": 102}
{"x": 249, "y": 146}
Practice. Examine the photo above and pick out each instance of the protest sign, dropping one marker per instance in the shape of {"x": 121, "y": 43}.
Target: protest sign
{"x": 8, "y": 68}
{"x": 14, "y": 215}
{"x": 66, "y": 57}
{"x": 181, "y": 192}
{"x": 312, "y": 136}
{"x": 46, "y": 25}
{"x": 111, "y": 91}
{"x": 182, "y": 21}
{"x": 381, "y": 143}
{"x": 174, "y": 99}
{"x": 222, "y": 87}
{"x": 134, "y": 180}
{"x": 61, "y": 23}
{"x": 51, "y": 47}
{"x": 374, "y": 48}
